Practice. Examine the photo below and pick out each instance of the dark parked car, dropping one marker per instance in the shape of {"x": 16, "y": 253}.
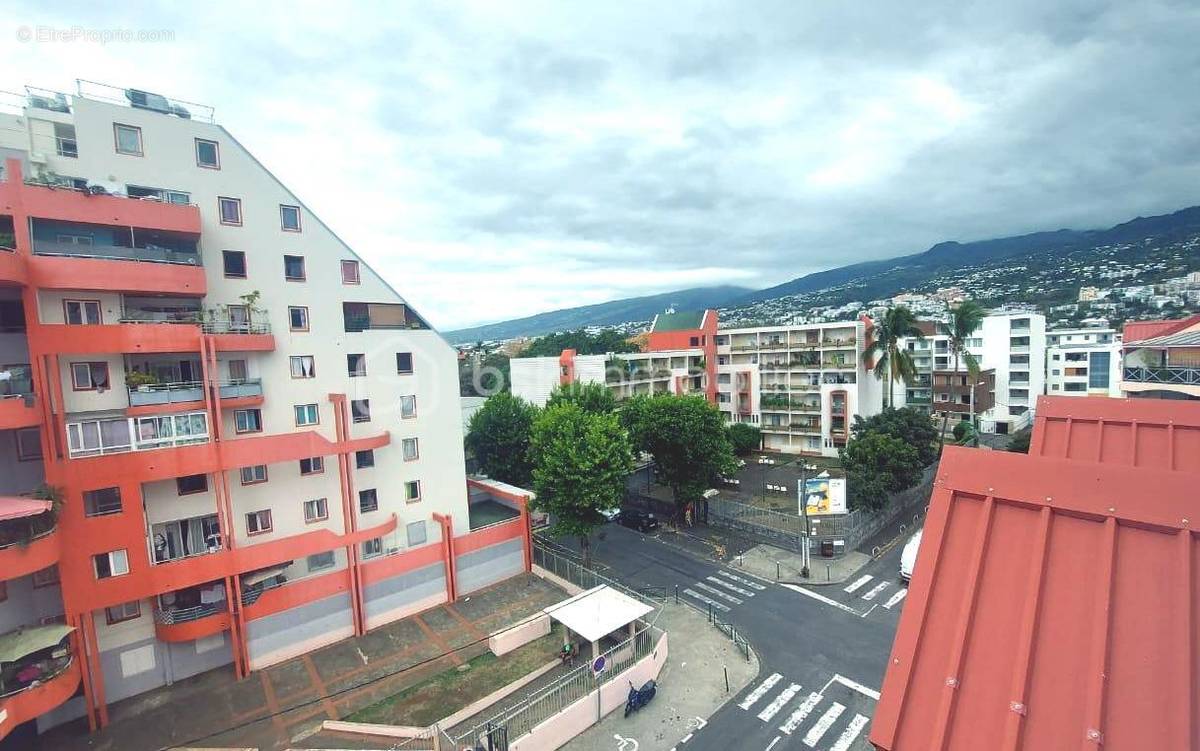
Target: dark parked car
{"x": 639, "y": 520}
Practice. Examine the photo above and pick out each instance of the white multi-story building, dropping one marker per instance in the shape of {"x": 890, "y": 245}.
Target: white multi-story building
{"x": 257, "y": 441}
{"x": 802, "y": 385}
{"x": 1013, "y": 344}
{"x": 625, "y": 374}
{"x": 1084, "y": 369}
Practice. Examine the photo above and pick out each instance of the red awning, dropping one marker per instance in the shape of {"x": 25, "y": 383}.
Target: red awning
{"x": 16, "y": 507}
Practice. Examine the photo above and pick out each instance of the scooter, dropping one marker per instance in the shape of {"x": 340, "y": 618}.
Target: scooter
{"x": 639, "y": 697}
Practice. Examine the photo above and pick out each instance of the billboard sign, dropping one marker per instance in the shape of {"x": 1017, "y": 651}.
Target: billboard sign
{"x": 825, "y": 496}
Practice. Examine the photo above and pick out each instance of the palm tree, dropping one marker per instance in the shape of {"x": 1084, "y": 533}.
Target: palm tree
{"x": 892, "y": 361}
{"x": 965, "y": 320}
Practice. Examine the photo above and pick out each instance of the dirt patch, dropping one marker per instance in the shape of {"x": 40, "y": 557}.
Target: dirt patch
{"x": 445, "y": 693}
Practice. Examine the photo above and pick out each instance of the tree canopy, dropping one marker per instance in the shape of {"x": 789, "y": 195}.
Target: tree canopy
{"x": 878, "y": 464}
{"x": 581, "y": 461}
{"x": 744, "y": 438}
{"x": 602, "y": 342}
{"x": 590, "y": 397}
{"x": 689, "y": 442}
{"x": 909, "y": 425}
{"x": 892, "y": 362}
{"x": 498, "y": 435}
{"x": 483, "y": 376}
{"x": 1019, "y": 442}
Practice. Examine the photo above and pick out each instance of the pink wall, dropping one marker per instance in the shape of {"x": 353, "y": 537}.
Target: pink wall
{"x": 522, "y": 633}
{"x": 562, "y": 727}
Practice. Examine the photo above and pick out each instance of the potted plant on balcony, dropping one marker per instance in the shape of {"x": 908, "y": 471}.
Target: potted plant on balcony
{"x": 136, "y": 379}
{"x": 23, "y": 531}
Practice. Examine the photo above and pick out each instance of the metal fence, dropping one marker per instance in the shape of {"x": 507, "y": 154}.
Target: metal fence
{"x": 523, "y": 717}
{"x": 565, "y": 564}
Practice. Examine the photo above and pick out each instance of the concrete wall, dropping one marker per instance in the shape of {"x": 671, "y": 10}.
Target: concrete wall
{"x": 533, "y": 378}
{"x": 400, "y": 596}
{"x": 28, "y": 605}
{"x": 293, "y": 632}
{"x": 503, "y": 642}
{"x": 486, "y": 566}
{"x": 17, "y": 476}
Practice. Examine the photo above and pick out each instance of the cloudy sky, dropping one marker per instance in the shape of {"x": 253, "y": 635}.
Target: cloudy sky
{"x": 499, "y": 159}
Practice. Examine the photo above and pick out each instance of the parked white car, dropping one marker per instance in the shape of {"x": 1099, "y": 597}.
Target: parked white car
{"x": 908, "y": 558}
{"x": 610, "y": 513}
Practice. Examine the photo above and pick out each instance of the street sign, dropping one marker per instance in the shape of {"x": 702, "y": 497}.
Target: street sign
{"x": 598, "y": 665}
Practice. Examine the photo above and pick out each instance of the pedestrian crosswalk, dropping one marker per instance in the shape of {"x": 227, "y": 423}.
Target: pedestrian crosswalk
{"x": 865, "y": 590}
{"x": 832, "y": 718}
{"x": 723, "y": 590}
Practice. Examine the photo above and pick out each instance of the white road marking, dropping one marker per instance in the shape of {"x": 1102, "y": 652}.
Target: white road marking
{"x": 876, "y": 590}
{"x": 894, "y": 599}
{"x": 850, "y": 733}
{"x": 771, "y": 745}
{"x": 760, "y": 689}
{"x": 730, "y": 585}
{"x": 736, "y": 578}
{"x": 707, "y": 601}
{"x": 858, "y": 583}
{"x": 821, "y": 598}
{"x": 852, "y": 685}
{"x": 823, "y": 724}
{"x": 789, "y": 726}
{"x": 778, "y": 702}
{"x": 719, "y": 593}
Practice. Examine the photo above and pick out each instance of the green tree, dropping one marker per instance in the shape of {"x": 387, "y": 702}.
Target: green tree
{"x": 965, "y": 320}
{"x": 965, "y": 433}
{"x": 691, "y": 449}
{"x": 632, "y": 413}
{"x": 912, "y": 426}
{"x": 1020, "y": 442}
{"x": 892, "y": 362}
{"x": 877, "y": 465}
{"x": 581, "y": 462}
{"x": 591, "y": 397}
{"x": 483, "y": 376}
{"x": 602, "y": 342}
{"x": 498, "y": 435}
{"x": 744, "y": 438}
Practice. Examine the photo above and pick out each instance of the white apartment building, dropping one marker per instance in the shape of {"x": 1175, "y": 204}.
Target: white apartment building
{"x": 231, "y": 401}
{"x": 802, "y": 385}
{"x": 625, "y": 374}
{"x": 1013, "y": 343}
{"x": 1084, "y": 369}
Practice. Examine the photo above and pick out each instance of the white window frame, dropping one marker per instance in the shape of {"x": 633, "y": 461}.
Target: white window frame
{"x": 303, "y": 412}
{"x": 372, "y": 548}
{"x": 319, "y": 510}
{"x": 284, "y": 210}
{"x": 411, "y": 449}
{"x": 216, "y": 152}
{"x": 409, "y": 400}
{"x": 316, "y": 465}
{"x": 302, "y": 366}
{"x": 408, "y": 498}
{"x": 375, "y": 495}
{"x": 241, "y": 416}
{"x": 252, "y": 476}
{"x": 356, "y": 277}
{"x": 84, "y": 306}
{"x": 118, "y": 564}
{"x": 258, "y": 528}
{"x": 118, "y": 128}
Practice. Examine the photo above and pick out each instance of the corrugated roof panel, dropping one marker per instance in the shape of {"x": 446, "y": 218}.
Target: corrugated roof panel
{"x": 1150, "y": 433}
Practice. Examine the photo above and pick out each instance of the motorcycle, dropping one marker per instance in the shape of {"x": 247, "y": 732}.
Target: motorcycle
{"x": 639, "y": 697}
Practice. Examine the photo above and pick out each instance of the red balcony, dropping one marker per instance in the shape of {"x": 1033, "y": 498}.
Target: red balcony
{"x": 57, "y": 272}
{"x": 29, "y": 703}
{"x": 12, "y": 267}
{"x": 68, "y": 204}
{"x": 29, "y": 542}
{"x": 188, "y": 618}
{"x": 117, "y": 337}
{"x": 16, "y": 413}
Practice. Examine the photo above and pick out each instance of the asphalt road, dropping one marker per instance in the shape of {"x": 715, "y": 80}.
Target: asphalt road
{"x": 822, "y": 650}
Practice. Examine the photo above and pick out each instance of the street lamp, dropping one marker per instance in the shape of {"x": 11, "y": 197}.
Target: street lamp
{"x": 805, "y": 551}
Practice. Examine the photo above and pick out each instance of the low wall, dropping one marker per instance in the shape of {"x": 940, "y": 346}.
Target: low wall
{"x": 556, "y": 731}
{"x": 505, "y": 641}
{"x": 570, "y": 587}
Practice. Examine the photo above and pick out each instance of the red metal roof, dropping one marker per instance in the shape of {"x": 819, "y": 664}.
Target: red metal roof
{"x": 1137, "y": 330}
{"x": 1055, "y": 602}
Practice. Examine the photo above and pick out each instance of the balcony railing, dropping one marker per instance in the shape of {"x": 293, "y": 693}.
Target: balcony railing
{"x": 1180, "y": 376}
{"x": 151, "y": 253}
{"x": 30, "y": 672}
{"x": 257, "y": 323}
{"x": 122, "y": 435}
{"x": 190, "y": 391}
{"x": 171, "y": 616}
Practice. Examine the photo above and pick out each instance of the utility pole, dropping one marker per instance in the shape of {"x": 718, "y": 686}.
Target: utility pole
{"x": 804, "y": 512}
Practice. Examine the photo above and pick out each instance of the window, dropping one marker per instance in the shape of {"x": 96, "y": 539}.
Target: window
{"x": 320, "y": 561}
{"x": 230, "y": 210}
{"x": 235, "y": 264}
{"x": 302, "y": 366}
{"x": 364, "y": 459}
{"x": 111, "y": 564}
{"x": 191, "y": 484}
{"x": 316, "y": 510}
{"x": 313, "y": 466}
{"x": 128, "y": 139}
{"x": 254, "y": 475}
{"x": 126, "y": 611}
{"x": 412, "y": 491}
{"x": 258, "y": 522}
{"x": 237, "y": 370}
{"x": 293, "y": 268}
{"x": 410, "y": 449}
{"x": 356, "y": 365}
{"x": 45, "y": 577}
{"x": 298, "y": 318}
{"x": 307, "y": 414}
{"x": 1098, "y": 370}
{"x": 350, "y": 273}
{"x": 208, "y": 154}
{"x": 289, "y": 218}
{"x": 102, "y": 502}
{"x": 82, "y": 312}
{"x": 247, "y": 421}
{"x": 363, "y": 316}
{"x": 89, "y": 376}
{"x": 64, "y": 140}
{"x": 416, "y": 533}
{"x": 368, "y": 500}
{"x": 404, "y": 364}
{"x": 29, "y": 444}
{"x": 695, "y": 341}
{"x": 372, "y": 548}
{"x": 360, "y": 409}
{"x": 164, "y": 195}
{"x": 408, "y": 407}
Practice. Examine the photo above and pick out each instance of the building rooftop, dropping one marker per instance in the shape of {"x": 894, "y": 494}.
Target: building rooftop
{"x": 686, "y": 320}
{"x": 1136, "y": 331}
{"x": 1056, "y": 598}
{"x": 1181, "y": 339}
